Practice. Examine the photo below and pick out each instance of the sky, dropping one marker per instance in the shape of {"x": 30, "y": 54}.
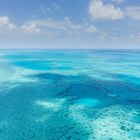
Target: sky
{"x": 69, "y": 24}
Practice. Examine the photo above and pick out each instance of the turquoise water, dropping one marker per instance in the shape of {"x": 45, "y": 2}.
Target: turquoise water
{"x": 69, "y": 94}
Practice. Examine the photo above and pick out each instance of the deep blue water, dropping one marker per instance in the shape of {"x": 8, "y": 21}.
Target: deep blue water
{"x": 69, "y": 94}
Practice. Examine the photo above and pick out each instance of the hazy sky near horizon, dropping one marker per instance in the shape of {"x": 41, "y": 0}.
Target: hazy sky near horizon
{"x": 62, "y": 24}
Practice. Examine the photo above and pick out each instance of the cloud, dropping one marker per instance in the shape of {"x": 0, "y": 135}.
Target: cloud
{"x": 133, "y": 12}
{"x": 135, "y": 36}
{"x": 118, "y": 1}
{"x": 100, "y": 11}
{"x": 90, "y": 29}
{"x": 46, "y": 28}
{"x": 5, "y": 23}
{"x": 47, "y": 9}
{"x": 55, "y": 6}
{"x": 114, "y": 38}
{"x": 103, "y": 35}
{"x": 30, "y": 28}
{"x": 44, "y": 10}
{"x": 65, "y": 26}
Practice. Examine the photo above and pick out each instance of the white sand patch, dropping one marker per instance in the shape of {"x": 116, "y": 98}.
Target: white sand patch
{"x": 54, "y": 105}
{"x": 114, "y": 122}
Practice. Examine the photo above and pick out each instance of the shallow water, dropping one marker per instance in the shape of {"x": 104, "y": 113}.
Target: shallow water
{"x": 69, "y": 94}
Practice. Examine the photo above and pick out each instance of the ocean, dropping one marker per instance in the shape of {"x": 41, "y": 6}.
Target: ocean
{"x": 69, "y": 94}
